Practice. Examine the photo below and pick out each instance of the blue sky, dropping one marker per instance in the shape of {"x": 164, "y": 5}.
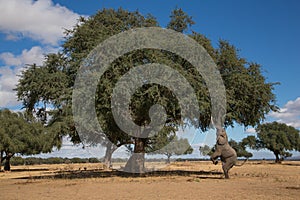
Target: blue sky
{"x": 266, "y": 32}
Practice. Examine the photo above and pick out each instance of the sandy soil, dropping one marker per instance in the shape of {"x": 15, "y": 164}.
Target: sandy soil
{"x": 182, "y": 180}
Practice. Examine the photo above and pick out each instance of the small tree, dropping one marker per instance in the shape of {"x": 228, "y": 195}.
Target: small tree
{"x": 205, "y": 150}
{"x": 276, "y": 137}
{"x": 240, "y": 149}
{"x": 19, "y": 136}
{"x": 174, "y": 146}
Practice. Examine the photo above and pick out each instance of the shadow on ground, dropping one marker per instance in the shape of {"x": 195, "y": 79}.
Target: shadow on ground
{"x": 108, "y": 174}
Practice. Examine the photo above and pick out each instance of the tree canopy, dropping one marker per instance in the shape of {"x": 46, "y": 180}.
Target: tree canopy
{"x": 249, "y": 95}
{"x": 205, "y": 150}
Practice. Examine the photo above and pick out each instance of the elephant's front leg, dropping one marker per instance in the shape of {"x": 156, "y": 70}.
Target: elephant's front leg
{"x": 214, "y": 160}
{"x": 214, "y": 157}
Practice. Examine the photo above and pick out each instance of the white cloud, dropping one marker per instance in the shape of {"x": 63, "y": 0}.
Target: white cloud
{"x": 8, "y": 80}
{"x": 289, "y": 114}
{"x": 34, "y": 55}
{"x": 40, "y": 20}
{"x": 250, "y": 130}
{"x": 13, "y": 65}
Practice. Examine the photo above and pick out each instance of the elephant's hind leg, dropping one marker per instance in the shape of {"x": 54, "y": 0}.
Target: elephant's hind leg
{"x": 225, "y": 170}
{"x": 226, "y": 166}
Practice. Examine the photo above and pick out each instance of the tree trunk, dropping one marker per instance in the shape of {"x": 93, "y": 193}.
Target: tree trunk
{"x": 110, "y": 148}
{"x": 1, "y": 159}
{"x": 7, "y": 161}
{"x": 136, "y": 162}
{"x": 169, "y": 158}
{"x": 277, "y": 160}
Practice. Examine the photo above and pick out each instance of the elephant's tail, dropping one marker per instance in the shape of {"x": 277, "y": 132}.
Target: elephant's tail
{"x": 239, "y": 165}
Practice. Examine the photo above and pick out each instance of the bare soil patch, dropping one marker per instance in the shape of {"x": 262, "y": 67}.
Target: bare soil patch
{"x": 180, "y": 180}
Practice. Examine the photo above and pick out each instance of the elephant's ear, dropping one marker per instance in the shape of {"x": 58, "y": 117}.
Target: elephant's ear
{"x": 222, "y": 139}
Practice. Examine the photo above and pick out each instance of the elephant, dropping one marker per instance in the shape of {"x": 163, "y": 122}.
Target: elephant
{"x": 224, "y": 151}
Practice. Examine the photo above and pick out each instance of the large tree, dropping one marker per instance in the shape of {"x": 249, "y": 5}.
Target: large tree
{"x": 249, "y": 96}
{"x": 17, "y": 135}
{"x": 276, "y": 137}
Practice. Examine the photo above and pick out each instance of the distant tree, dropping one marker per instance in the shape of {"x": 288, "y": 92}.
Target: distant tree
{"x": 276, "y": 137}
{"x": 240, "y": 149}
{"x": 173, "y": 146}
{"x": 20, "y": 136}
{"x": 17, "y": 160}
{"x": 205, "y": 150}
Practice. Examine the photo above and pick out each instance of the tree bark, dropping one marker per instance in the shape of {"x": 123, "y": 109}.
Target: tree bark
{"x": 169, "y": 158}
{"x": 7, "y": 161}
{"x": 136, "y": 163}
{"x": 1, "y": 159}
{"x": 277, "y": 160}
{"x": 110, "y": 148}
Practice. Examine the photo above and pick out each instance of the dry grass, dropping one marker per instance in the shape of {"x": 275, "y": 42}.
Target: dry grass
{"x": 182, "y": 180}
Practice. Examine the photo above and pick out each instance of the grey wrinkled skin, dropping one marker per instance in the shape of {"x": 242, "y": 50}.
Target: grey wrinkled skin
{"x": 226, "y": 153}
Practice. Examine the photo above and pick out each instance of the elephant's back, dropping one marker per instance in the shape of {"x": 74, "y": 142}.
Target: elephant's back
{"x": 228, "y": 151}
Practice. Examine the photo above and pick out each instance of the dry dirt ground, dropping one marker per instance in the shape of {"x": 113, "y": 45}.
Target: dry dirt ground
{"x": 180, "y": 180}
